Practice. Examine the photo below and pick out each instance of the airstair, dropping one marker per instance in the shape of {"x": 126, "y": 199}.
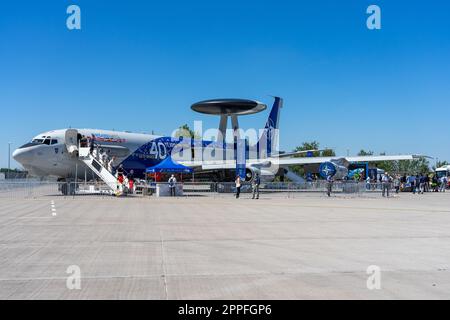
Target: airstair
{"x": 293, "y": 176}
{"x": 100, "y": 170}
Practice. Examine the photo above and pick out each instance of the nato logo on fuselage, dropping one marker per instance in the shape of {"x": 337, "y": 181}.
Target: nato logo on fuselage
{"x": 327, "y": 169}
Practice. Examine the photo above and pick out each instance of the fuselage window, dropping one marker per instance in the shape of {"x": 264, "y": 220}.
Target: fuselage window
{"x": 54, "y": 141}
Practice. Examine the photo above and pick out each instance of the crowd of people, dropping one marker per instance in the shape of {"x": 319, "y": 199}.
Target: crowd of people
{"x": 424, "y": 183}
{"x": 417, "y": 184}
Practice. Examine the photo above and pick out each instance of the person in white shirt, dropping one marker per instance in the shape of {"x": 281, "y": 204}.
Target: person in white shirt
{"x": 368, "y": 183}
{"x": 111, "y": 164}
{"x": 386, "y": 184}
{"x": 397, "y": 184}
{"x": 238, "y": 186}
{"x": 444, "y": 183}
{"x": 172, "y": 185}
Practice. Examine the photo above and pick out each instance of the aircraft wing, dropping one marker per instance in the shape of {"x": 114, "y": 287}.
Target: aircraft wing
{"x": 285, "y": 162}
{"x": 318, "y": 160}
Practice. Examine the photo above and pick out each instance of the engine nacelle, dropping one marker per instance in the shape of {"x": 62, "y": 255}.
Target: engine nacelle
{"x": 264, "y": 175}
{"x": 337, "y": 171}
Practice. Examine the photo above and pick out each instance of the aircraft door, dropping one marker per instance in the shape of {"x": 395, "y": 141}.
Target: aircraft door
{"x": 71, "y": 139}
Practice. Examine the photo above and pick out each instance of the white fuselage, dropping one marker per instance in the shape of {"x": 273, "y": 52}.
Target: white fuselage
{"x": 47, "y": 154}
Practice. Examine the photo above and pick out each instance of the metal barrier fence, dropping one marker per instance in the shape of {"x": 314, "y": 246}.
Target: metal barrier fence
{"x": 37, "y": 189}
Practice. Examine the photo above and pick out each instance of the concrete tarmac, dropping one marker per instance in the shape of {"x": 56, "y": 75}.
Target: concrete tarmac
{"x": 307, "y": 247}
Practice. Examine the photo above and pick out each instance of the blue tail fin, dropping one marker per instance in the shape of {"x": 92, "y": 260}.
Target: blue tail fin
{"x": 271, "y": 128}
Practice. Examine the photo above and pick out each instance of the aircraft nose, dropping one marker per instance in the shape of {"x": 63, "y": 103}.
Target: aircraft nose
{"x": 21, "y": 155}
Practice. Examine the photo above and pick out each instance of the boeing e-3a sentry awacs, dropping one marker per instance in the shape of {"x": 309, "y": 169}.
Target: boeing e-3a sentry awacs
{"x": 56, "y": 153}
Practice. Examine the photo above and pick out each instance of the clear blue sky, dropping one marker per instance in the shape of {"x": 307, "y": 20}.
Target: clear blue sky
{"x": 139, "y": 65}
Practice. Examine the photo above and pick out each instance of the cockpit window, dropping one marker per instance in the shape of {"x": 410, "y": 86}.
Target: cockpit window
{"x": 45, "y": 140}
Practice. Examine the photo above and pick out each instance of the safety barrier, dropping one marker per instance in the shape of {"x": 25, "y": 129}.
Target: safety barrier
{"x": 41, "y": 189}
{"x": 37, "y": 189}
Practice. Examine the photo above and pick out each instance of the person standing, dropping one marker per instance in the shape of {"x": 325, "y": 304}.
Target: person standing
{"x": 255, "y": 186}
{"x": 104, "y": 157}
{"x": 422, "y": 183}
{"x": 427, "y": 183}
{"x": 172, "y": 185}
{"x": 238, "y": 183}
{"x": 435, "y": 183}
{"x": 120, "y": 172}
{"x": 386, "y": 183}
{"x": 130, "y": 178}
{"x": 111, "y": 164}
{"x": 418, "y": 184}
{"x": 329, "y": 184}
{"x": 368, "y": 183}
{"x": 83, "y": 142}
{"x": 444, "y": 183}
{"x": 413, "y": 183}
{"x": 403, "y": 181}
{"x": 92, "y": 145}
{"x": 397, "y": 184}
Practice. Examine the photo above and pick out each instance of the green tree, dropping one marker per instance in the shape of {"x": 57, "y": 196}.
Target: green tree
{"x": 314, "y": 145}
{"x": 440, "y": 164}
{"x": 186, "y": 131}
{"x": 408, "y": 167}
{"x": 363, "y": 153}
{"x": 328, "y": 153}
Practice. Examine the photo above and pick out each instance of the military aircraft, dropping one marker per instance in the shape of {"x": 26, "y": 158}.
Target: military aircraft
{"x": 54, "y": 153}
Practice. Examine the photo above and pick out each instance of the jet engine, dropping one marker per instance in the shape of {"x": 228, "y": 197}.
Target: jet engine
{"x": 264, "y": 175}
{"x": 336, "y": 169}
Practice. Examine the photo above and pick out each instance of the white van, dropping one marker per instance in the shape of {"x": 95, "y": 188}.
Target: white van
{"x": 443, "y": 172}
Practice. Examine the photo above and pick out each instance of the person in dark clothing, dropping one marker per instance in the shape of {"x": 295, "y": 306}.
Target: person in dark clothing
{"x": 419, "y": 182}
{"x": 83, "y": 142}
{"x": 330, "y": 181}
{"x": 255, "y": 186}
{"x": 92, "y": 145}
{"x": 427, "y": 183}
{"x": 422, "y": 183}
{"x": 435, "y": 184}
{"x": 413, "y": 182}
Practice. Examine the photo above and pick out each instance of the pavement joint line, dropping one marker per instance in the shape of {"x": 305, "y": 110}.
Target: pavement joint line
{"x": 59, "y": 244}
{"x": 53, "y": 208}
{"x": 164, "y": 275}
{"x": 248, "y": 274}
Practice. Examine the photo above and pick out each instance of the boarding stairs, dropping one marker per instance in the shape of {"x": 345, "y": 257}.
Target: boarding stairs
{"x": 100, "y": 170}
{"x": 294, "y": 177}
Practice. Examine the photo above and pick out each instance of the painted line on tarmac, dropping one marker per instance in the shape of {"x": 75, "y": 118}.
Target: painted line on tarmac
{"x": 52, "y": 203}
